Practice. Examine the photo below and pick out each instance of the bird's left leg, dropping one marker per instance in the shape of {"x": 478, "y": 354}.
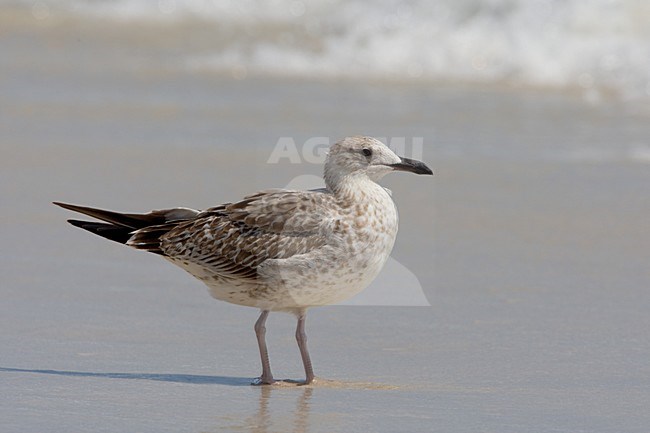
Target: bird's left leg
{"x": 301, "y": 337}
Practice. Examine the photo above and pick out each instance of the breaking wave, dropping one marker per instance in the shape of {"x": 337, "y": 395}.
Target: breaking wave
{"x": 593, "y": 45}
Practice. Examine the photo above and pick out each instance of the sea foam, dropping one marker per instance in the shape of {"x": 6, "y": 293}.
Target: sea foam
{"x": 598, "y": 46}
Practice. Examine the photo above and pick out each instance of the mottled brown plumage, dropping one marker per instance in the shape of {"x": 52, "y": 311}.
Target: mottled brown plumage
{"x": 280, "y": 250}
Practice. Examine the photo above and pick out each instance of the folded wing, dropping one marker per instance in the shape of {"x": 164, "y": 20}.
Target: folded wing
{"x": 230, "y": 240}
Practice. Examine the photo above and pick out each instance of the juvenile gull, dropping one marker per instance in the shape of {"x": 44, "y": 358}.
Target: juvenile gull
{"x": 279, "y": 250}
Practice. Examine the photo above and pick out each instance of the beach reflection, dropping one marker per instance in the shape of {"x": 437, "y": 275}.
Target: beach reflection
{"x": 275, "y": 413}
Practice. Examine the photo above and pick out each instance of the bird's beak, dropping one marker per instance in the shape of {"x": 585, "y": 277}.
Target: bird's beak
{"x": 412, "y": 165}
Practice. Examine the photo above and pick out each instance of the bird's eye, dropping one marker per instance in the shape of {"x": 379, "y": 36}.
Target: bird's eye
{"x": 367, "y": 152}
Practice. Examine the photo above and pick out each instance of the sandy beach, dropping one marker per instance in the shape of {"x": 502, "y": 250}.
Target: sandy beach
{"x": 530, "y": 243}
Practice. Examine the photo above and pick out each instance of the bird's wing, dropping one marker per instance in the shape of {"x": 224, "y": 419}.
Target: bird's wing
{"x": 233, "y": 239}
{"x": 119, "y": 227}
{"x": 133, "y": 221}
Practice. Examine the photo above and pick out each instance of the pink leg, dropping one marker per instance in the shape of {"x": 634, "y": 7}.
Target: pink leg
{"x": 260, "y": 331}
{"x": 301, "y": 337}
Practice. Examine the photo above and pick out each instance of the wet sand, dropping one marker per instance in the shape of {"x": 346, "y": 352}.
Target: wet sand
{"x": 531, "y": 244}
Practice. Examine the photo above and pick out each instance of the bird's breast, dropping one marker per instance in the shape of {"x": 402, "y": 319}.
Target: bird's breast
{"x": 370, "y": 231}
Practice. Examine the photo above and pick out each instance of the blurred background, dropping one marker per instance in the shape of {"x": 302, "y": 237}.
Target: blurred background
{"x": 531, "y": 242}
{"x": 595, "y": 48}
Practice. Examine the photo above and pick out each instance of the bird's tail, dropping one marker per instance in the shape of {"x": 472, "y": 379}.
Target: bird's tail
{"x": 120, "y": 227}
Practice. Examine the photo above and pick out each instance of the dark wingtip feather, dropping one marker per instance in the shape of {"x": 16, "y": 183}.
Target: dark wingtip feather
{"x": 127, "y": 220}
{"x": 67, "y": 206}
{"x": 120, "y": 227}
{"x": 109, "y": 231}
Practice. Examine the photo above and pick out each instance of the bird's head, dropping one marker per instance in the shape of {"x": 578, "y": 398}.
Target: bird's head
{"x": 359, "y": 156}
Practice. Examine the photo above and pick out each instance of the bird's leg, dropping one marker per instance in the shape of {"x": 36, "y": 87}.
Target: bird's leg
{"x": 301, "y": 337}
{"x": 260, "y": 331}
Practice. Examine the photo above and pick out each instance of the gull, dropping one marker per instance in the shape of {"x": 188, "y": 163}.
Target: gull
{"x": 279, "y": 250}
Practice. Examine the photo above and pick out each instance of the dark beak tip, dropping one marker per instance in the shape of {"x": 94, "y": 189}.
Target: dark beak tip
{"x": 413, "y": 166}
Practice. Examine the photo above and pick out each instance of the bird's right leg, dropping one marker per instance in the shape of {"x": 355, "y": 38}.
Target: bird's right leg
{"x": 260, "y": 331}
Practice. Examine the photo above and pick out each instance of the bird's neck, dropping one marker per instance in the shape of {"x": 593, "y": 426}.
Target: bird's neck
{"x": 353, "y": 186}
